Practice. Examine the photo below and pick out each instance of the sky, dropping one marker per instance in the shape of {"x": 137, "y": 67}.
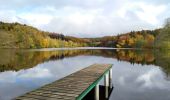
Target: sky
{"x": 87, "y": 18}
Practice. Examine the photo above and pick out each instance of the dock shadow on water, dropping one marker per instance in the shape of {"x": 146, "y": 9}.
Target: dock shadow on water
{"x": 103, "y": 95}
{"x": 137, "y": 74}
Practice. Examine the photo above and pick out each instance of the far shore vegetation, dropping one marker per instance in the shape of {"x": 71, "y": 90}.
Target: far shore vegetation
{"x": 16, "y": 35}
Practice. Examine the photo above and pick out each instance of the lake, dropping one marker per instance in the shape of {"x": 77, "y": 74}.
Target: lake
{"x": 137, "y": 74}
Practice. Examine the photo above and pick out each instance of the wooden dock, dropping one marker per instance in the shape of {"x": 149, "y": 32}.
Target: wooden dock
{"x": 75, "y": 86}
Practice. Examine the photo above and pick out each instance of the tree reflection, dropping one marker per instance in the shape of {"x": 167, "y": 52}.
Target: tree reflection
{"x": 24, "y": 59}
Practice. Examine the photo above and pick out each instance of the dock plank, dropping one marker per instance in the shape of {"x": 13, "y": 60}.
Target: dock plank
{"x": 69, "y": 87}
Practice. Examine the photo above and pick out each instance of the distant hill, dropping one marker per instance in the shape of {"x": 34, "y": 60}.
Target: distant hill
{"x": 16, "y": 35}
{"x": 133, "y": 39}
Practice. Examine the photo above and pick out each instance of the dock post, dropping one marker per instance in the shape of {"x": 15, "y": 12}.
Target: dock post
{"x": 110, "y": 78}
{"x": 97, "y": 92}
{"x": 106, "y": 85}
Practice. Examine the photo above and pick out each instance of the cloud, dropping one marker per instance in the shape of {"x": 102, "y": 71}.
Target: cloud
{"x": 149, "y": 79}
{"x": 87, "y": 18}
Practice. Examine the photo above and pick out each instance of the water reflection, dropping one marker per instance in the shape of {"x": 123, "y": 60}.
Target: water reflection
{"x": 137, "y": 74}
{"x": 139, "y": 82}
{"x": 23, "y": 59}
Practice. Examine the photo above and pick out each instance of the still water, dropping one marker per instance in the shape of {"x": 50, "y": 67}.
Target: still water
{"x": 137, "y": 74}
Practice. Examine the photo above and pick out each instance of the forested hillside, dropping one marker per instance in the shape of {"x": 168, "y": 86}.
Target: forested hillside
{"x": 163, "y": 39}
{"x": 134, "y": 39}
{"x": 15, "y": 35}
